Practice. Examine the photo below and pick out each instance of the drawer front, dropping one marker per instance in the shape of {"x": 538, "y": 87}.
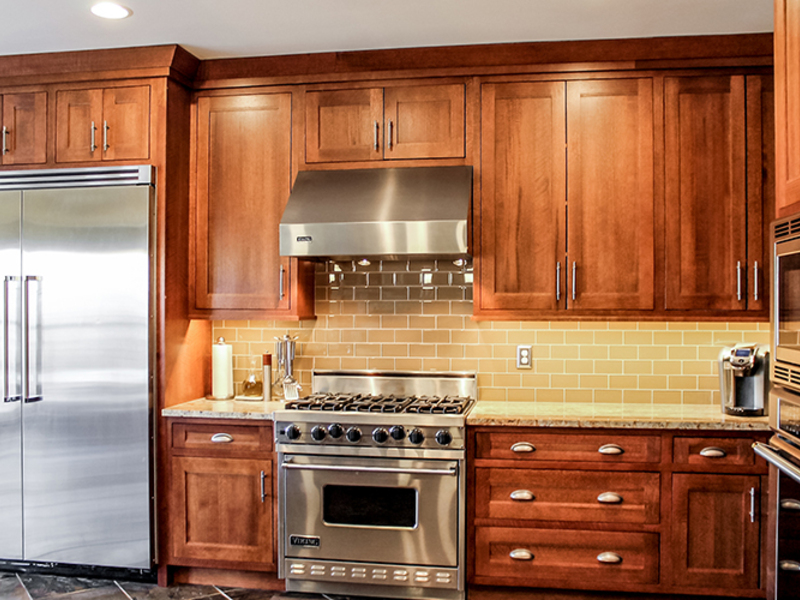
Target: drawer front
{"x": 221, "y": 440}
{"x": 582, "y": 559}
{"x": 600, "y": 448}
{"x": 584, "y": 496}
{"x": 713, "y": 451}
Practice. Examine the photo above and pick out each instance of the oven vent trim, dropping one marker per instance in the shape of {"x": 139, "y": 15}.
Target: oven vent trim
{"x": 788, "y": 228}
{"x": 787, "y": 375}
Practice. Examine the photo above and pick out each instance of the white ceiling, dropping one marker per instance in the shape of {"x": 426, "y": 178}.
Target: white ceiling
{"x": 232, "y": 28}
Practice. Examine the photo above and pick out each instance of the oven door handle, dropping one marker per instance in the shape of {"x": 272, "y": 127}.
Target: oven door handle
{"x": 772, "y": 456}
{"x": 451, "y": 471}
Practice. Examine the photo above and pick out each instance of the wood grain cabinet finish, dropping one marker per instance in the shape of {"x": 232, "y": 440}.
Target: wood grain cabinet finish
{"x": 787, "y": 106}
{"x": 550, "y": 148}
{"x": 244, "y": 176}
{"x": 715, "y": 250}
{"x": 24, "y": 128}
{"x": 103, "y": 124}
{"x": 403, "y": 122}
{"x": 712, "y": 453}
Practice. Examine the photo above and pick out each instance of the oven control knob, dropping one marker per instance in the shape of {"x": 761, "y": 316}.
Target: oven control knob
{"x": 397, "y": 432}
{"x": 444, "y": 437}
{"x": 318, "y": 433}
{"x": 380, "y": 435}
{"x": 335, "y": 430}
{"x": 353, "y": 434}
{"x": 416, "y": 436}
{"x": 292, "y": 432}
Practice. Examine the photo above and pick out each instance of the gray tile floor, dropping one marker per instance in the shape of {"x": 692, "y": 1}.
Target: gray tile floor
{"x": 51, "y": 587}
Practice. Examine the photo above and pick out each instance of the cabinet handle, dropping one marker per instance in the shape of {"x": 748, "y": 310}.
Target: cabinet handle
{"x": 5, "y": 137}
{"x": 222, "y": 438}
{"x": 752, "y": 505}
{"x": 92, "y": 145}
{"x": 558, "y": 281}
{"x": 522, "y": 496}
{"x": 523, "y": 447}
{"x": 105, "y": 136}
{"x": 281, "y": 287}
{"x": 263, "y": 486}
{"x": 375, "y": 129}
{"x": 790, "y": 504}
{"x": 739, "y": 281}
{"x": 574, "y": 278}
{"x": 713, "y": 452}
{"x": 389, "y": 134}
{"x": 610, "y": 558}
{"x": 521, "y": 554}
{"x": 789, "y": 565}
{"x": 611, "y": 449}
{"x": 755, "y": 281}
{"x": 609, "y": 498}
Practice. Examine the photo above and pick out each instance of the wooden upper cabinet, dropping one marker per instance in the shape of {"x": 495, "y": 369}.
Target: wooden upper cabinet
{"x": 610, "y": 194}
{"x": 103, "y": 124}
{"x": 404, "y": 122}
{"x": 522, "y": 206}
{"x": 244, "y": 175}
{"x": 714, "y": 257}
{"x": 787, "y": 106}
{"x": 24, "y": 128}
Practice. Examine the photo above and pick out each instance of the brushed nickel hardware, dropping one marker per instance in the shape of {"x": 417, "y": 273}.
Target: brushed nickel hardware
{"x": 451, "y": 471}
{"x": 609, "y": 558}
{"x": 5, "y": 136}
{"x": 375, "y": 129}
{"x": 522, "y": 496}
{"x": 609, "y": 498}
{"x": 790, "y": 504}
{"x": 281, "y": 290}
{"x": 263, "y": 486}
{"x": 105, "y": 136}
{"x": 222, "y": 438}
{"x": 523, "y": 447}
{"x": 787, "y": 467}
{"x": 92, "y": 145}
{"x": 789, "y": 565}
{"x": 755, "y": 281}
{"x": 558, "y": 281}
{"x": 739, "y": 280}
{"x": 752, "y": 505}
{"x": 389, "y": 134}
{"x": 574, "y": 277}
{"x": 713, "y": 452}
{"x": 610, "y": 449}
{"x": 521, "y": 554}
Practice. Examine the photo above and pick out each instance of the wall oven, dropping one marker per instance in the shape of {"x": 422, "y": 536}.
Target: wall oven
{"x": 785, "y": 307}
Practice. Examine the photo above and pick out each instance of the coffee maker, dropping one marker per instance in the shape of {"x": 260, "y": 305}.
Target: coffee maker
{"x": 744, "y": 379}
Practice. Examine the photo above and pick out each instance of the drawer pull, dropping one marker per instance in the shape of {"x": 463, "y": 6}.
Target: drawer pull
{"x": 521, "y": 554}
{"x": 713, "y": 452}
{"x": 222, "y": 438}
{"x": 787, "y": 565}
{"x": 523, "y": 447}
{"x": 790, "y": 504}
{"x": 611, "y": 449}
{"x": 609, "y": 558}
{"x": 609, "y": 498}
{"x": 522, "y": 496}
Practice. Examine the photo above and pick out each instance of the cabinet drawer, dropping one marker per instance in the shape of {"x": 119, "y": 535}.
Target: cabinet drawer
{"x": 221, "y": 440}
{"x": 559, "y": 447}
{"x": 554, "y": 556}
{"x": 587, "y": 496}
{"x": 713, "y": 451}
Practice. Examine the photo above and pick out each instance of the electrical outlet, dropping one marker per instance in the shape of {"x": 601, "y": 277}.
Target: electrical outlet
{"x": 524, "y": 358}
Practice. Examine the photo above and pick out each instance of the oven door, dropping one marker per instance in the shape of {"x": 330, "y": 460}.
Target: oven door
{"x": 786, "y": 302}
{"x": 377, "y": 510}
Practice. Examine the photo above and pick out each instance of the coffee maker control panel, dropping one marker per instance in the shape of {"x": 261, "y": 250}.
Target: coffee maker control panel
{"x": 743, "y": 359}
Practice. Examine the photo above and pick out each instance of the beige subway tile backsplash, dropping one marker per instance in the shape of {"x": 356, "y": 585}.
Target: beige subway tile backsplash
{"x": 416, "y": 316}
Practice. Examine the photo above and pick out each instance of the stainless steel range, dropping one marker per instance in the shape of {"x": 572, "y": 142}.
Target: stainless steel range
{"x": 371, "y": 485}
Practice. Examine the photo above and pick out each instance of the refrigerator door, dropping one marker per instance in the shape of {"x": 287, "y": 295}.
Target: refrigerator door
{"x": 10, "y": 380}
{"x": 86, "y": 410}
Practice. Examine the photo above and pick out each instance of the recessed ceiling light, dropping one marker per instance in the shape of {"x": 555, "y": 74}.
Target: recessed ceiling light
{"x": 110, "y": 10}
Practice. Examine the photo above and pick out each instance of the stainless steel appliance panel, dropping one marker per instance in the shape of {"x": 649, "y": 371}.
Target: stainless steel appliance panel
{"x": 10, "y": 407}
{"x": 86, "y": 384}
{"x": 393, "y": 511}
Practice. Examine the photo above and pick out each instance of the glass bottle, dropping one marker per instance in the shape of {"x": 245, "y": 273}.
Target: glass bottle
{"x": 253, "y": 386}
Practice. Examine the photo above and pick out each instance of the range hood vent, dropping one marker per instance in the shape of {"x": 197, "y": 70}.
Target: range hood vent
{"x": 396, "y": 213}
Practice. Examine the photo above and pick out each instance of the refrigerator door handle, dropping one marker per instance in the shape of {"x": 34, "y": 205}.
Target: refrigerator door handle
{"x": 11, "y": 383}
{"x": 33, "y": 338}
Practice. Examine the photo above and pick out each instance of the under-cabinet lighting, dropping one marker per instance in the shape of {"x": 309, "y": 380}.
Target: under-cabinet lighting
{"x": 111, "y": 10}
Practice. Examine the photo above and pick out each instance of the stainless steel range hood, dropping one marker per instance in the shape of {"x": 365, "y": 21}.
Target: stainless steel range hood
{"x": 416, "y": 212}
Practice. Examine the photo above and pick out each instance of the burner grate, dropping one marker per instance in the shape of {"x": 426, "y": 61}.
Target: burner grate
{"x": 366, "y": 403}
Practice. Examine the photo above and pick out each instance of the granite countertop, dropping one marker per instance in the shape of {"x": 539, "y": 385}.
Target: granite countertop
{"x": 538, "y": 414}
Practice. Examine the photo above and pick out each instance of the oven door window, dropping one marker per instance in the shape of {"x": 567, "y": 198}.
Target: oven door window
{"x": 788, "y": 295}
{"x": 366, "y": 506}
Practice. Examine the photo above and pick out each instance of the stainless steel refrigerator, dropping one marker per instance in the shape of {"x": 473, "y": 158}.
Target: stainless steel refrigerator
{"x": 75, "y": 420}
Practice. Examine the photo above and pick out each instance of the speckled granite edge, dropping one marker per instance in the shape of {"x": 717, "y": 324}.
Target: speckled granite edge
{"x": 625, "y": 416}
{"x": 223, "y": 409}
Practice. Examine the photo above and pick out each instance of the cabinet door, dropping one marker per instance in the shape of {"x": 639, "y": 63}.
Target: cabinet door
{"x": 79, "y": 122}
{"x": 243, "y": 183}
{"x": 610, "y": 201}
{"x": 706, "y": 204}
{"x": 126, "y": 123}
{"x": 716, "y": 531}
{"x": 787, "y": 105}
{"x": 344, "y": 125}
{"x": 25, "y": 128}
{"x": 522, "y": 207}
{"x": 221, "y": 510}
{"x": 424, "y": 121}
